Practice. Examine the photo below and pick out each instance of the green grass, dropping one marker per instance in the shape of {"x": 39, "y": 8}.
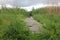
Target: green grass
{"x": 50, "y": 23}
{"x": 13, "y": 27}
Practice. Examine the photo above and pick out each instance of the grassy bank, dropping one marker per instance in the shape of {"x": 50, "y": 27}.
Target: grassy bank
{"x": 13, "y": 27}
{"x": 50, "y": 22}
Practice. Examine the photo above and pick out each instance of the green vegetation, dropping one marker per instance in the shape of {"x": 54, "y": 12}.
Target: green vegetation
{"x": 50, "y": 23}
{"x": 13, "y": 27}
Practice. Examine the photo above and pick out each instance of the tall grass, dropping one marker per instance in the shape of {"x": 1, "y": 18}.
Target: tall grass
{"x": 13, "y": 27}
{"x": 50, "y": 22}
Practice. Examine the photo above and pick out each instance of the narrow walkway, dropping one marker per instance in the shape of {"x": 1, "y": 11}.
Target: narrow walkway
{"x": 33, "y": 24}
